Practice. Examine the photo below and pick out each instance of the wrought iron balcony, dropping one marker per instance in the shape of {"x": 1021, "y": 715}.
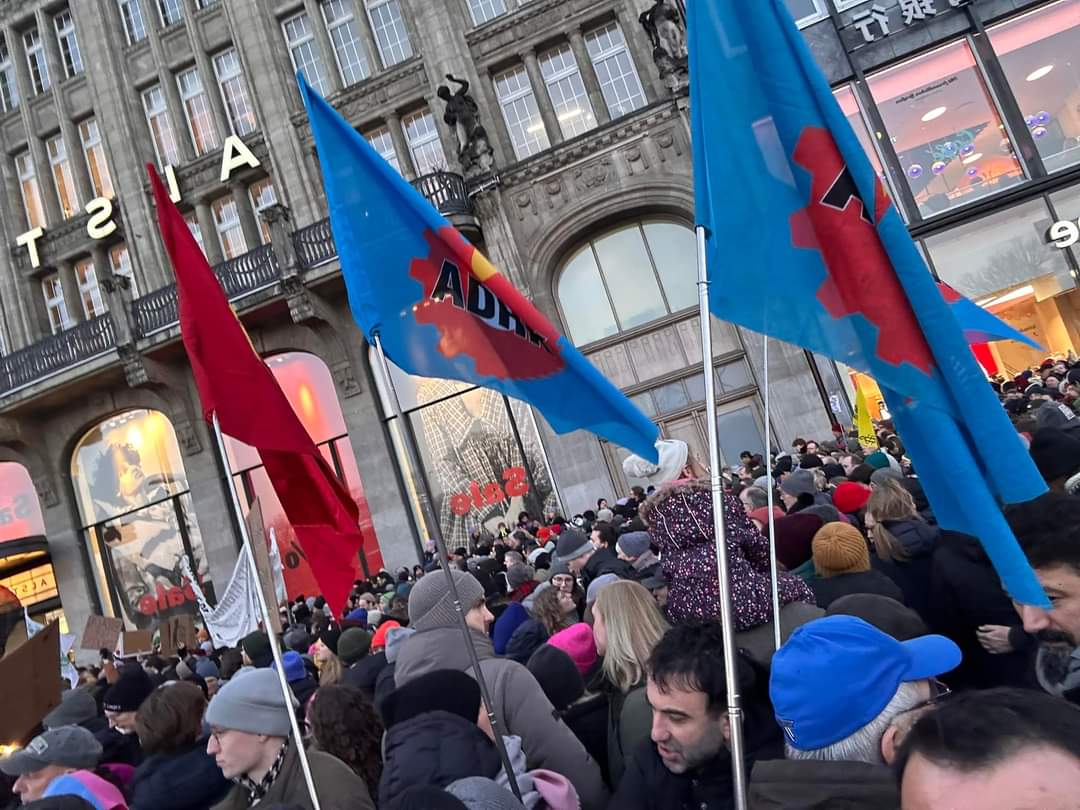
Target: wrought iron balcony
{"x": 241, "y": 276}
{"x": 57, "y": 352}
{"x": 445, "y": 190}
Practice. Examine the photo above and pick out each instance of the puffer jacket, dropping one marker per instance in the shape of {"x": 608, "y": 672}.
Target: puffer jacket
{"x": 434, "y": 748}
{"x": 187, "y": 779}
{"x": 681, "y": 525}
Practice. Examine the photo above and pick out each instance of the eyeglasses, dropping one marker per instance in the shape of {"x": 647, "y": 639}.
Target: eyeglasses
{"x": 938, "y": 693}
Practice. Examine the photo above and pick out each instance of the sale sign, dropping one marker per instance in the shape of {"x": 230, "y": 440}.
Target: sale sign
{"x": 20, "y": 513}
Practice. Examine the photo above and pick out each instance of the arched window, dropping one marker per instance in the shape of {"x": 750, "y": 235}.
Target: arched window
{"x": 626, "y": 278}
{"x": 309, "y": 387}
{"x": 139, "y": 518}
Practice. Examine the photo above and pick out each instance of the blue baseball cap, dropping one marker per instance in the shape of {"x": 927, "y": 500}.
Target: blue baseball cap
{"x": 836, "y": 674}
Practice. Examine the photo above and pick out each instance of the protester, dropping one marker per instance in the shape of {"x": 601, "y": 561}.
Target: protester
{"x": 121, "y": 703}
{"x": 300, "y": 681}
{"x": 626, "y": 627}
{"x": 250, "y": 741}
{"x": 587, "y": 561}
{"x": 344, "y": 724}
{"x": 993, "y": 750}
{"x": 520, "y": 706}
{"x": 842, "y": 563}
{"x": 177, "y": 773}
{"x": 331, "y": 669}
{"x": 904, "y": 543}
{"x": 633, "y": 547}
{"x": 48, "y": 756}
{"x": 686, "y": 762}
{"x": 256, "y": 650}
{"x": 845, "y": 693}
{"x": 794, "y": 538}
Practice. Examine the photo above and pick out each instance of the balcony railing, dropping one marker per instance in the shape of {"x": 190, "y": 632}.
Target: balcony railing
{"x": 57, "y": 352}
{"x": 245, "y": 274}
{"x": 445, "y": 190}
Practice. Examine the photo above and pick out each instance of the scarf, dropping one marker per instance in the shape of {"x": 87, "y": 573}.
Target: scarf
{"x": 257, "y": 792}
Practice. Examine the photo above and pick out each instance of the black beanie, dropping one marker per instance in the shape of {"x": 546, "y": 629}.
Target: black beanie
{"x": 445, "y": 690}
{"x": 257, "y": 647}
{"x": 128, "y": 693}
{"x": 1055, "y": 453}
{"x": 557, "y": 675}
{"x": 783, "y": 464}
{"x": 810, "y": 461}
{"x": 330, "y": 637}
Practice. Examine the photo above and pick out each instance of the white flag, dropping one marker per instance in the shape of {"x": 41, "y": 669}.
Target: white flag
{"x": 237, "y": 611}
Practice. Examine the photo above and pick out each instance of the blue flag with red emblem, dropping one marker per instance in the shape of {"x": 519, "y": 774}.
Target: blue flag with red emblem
{"x": 804, "y": 245}
{"x": 440, "y": 308}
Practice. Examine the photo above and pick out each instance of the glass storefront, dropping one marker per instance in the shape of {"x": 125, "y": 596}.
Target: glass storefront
{"x": 309, "y": 387}
{"x": 139, "y": 518}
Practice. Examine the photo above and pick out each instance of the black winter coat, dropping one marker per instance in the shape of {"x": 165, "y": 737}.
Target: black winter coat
{"x": 588, "y": 719}
{"x": 828, "y": 589}
{"x": 363, "y": 674}
{"x": 302, "y": 690}
{"x": 648, "y": 785}
{"x": 814, "y": 785}
{"x": 120, "y": 748}
{"x": 965, "y": 592}
{"x": 604, "y": 561}
{"x": 435, "y": 748}
{"x": 526, "y": 640}
{"x": 188, "y": 779}
{"x": 918, "y": 539}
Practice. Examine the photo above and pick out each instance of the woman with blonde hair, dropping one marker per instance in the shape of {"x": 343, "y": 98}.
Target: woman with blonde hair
{"x": 331, "y": 668}
{"x": 627, "y": 624}
{"x": 903, "y": 541}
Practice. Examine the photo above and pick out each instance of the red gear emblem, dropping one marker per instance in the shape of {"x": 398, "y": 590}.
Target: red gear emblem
{"x": 861, "y": 279}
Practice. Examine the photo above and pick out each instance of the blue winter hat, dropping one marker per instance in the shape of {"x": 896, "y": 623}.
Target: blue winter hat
{"x": 357, "y": 615}
{"x": 294, "y": 666}
{"x": 205, "y": 668}
{"x": 836, "y": 674}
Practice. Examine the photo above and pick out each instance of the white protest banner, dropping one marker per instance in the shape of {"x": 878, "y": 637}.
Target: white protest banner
{"x": 237, "y": 611}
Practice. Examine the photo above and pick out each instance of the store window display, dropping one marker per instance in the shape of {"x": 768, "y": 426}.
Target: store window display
{"x": 139, "y": 518}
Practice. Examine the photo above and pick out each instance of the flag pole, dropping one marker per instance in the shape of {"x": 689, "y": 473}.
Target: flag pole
{"x": 265, "y": 610}
{"x": 727, "y": 619}
{"x": 775, "y": 581}
{"x": 423, "y": 493}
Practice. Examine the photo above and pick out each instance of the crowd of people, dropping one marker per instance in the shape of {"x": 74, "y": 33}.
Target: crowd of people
{"x": 907, "y": 677}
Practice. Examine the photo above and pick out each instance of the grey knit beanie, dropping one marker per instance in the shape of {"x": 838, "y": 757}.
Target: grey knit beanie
{"x": 518, "y": 575}
{"x": 430, "y": 602}
{"x": 634, "y": 544}
{"x": 572, "y": 544}
{"x": 800, "y": 482}
{"x": 252, "y": 701}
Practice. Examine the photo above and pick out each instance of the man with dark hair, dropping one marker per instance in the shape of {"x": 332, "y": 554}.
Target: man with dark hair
{"x": 993, "y": 750}
{"x": 1046, "y": 530}
{"x": 686, "y": 763}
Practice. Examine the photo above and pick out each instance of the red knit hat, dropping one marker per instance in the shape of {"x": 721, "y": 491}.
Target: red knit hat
{"x": 543, "y": 533}
{"x": 762, "y": 515}
{"x": 556, "y": 529}
{"x": 577, "y": 642}
{"x": 378, "y": 641}
{"x": 850, "y": 497}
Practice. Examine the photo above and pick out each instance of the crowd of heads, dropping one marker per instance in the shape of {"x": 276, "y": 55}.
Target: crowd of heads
{"x": 906, "y": 677}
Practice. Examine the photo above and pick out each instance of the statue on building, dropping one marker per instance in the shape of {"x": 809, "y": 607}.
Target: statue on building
{"x": 462, "y": 113}
{"x": 666, "y": 28}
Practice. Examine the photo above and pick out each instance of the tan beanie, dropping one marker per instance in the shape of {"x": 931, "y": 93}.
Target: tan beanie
{"x": 839, "y": 548}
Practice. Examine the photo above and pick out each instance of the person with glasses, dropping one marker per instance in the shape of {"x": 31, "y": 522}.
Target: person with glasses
{"x": 251, "y": 744}
{"x": 845, "y": 694}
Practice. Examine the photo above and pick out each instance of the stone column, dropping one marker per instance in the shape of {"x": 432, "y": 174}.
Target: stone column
{"x": 72, "y": 296}
{"x": 589, "y": 78}
{"x": 641, "y": 54}
{"x": 52, "y": 47}
{"x": 248, "y": 223}
{"x": 401, "y": 146}
{"x": 543, "y": 100}
{"x": 205, "y": 66}
{"x": 38, "y": 157}
{"x": 367, "y": 36}
{"x": 326, "y": 47}
{"x": 211, "y": 243}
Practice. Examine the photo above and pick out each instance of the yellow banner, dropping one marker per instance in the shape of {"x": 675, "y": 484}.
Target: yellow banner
{"x": 863, "y": 424}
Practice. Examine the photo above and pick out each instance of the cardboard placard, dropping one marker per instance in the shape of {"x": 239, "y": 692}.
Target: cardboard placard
{"x": 101, "y": 632}
{"x": 257, "y": 533}
{"x": 177, "y": 631}
{"x": 35, "y": 667}
{"x": 136, "y": 642}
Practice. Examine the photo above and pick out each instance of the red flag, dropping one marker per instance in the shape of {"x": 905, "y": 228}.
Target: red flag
{"x": 236, "y": 384}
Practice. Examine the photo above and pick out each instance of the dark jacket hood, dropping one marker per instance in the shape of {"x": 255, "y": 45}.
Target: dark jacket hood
{"x": 916, "y": 537}
{"x": 435, "y": 748}
{"x": 784, "y": 784}
{"x": 188, "y": 779}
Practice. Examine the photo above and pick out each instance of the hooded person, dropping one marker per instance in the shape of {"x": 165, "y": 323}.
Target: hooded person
{"x": 250, "y": 741}
{"x": 841, "y": 560}
{"x": 49, "y": 756}
{"x": 520, "y": 707}
{"x": 633, "y": 547}
{"x": 177, "y": 773}
{"x": 680, "y": 521}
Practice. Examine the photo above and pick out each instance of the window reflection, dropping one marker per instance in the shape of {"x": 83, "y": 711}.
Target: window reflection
{"x": 948, "y": 136}
{"x": 1038, "y": 53}
{"x": 20, "y": 512}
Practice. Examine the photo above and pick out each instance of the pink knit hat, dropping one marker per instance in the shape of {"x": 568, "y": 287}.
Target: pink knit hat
{"x": 577, "y": 642}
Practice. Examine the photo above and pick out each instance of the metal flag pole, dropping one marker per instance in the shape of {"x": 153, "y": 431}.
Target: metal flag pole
{"x": 777, "y": 637}
{"x": 727, "y": 619}
{"x": 423, "y": 493}
{"x": 265, "y": 610}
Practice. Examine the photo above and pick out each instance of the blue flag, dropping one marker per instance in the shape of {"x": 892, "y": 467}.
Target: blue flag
{"x": 440, "y": 308}
{"x": 804, "y": 245}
